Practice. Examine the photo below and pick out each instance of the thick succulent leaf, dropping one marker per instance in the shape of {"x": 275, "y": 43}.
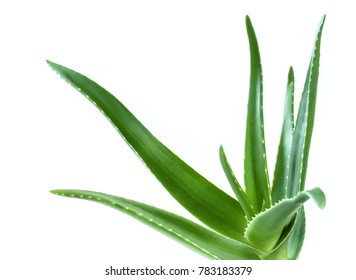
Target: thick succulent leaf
{"x": 305, "y": 122}
{"x": 264, "y": 230}
{"x": 291, "y": 240}
{"x": 280, "y": 253}
{"x": 296, "y": 239}
{"x": 190, "y": 234}
{"x": 279, "y": 185}
{"x": 240, "y": 194}
{"x": 255, "y": 164}
{"x": 199, "y": 196}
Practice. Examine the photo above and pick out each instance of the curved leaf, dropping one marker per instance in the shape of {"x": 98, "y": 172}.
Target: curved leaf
{"x": 296, "y": 239}
{"x": 204, "y": 200}
{"x": 190, "y": 234}
{"x": 255, "y": 164}
{"x": 288, "y": 246}
{"x": 265, "y": 229}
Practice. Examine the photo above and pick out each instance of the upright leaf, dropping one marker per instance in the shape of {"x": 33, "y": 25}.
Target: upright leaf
{"x": 192, "y": 235}
{"x": 305, "y": 122}
{"x": 281, "y": 171}
{"x": 199, "y": 196}
{"x": 241, "y": 196}
{"x": 255, "y": 164}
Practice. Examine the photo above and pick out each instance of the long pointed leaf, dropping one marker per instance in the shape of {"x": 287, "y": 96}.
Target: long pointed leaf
{"x": 305, "y": 122}
{"x": 240, "y": 194}
{"x": 265, "y": 229}
{"x": 205, "y": 201}
{"x": 190, "y": 234}
{"x": 255, "y": 164}
{"x": 279, "y": 185}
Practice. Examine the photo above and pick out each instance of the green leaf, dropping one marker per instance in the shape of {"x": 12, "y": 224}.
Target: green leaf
{"x": 280, "y": 179}
{"x": 265, "y": 229}
{"x": 296, "y": 239}
{"x": 240, "y": 194}
{"x": 190, "y": 234}
{"x": 199, "y": 196}
{"x": 255, "y": 164}
{"x": 305, "y": 123}
{"x": 291, "y": 241}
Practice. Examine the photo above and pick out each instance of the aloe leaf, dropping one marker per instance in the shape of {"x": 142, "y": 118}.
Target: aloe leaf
{"x": 284, "y": 249}
{"x": 296, "y": 239}
{"x": 199, "y": 196}
{"x": 240, "y": 194}
{"x": 305, "y": 122}
{"x": 290, "y": 243}
{"x": 280, "y": 178}
{"x": 190, "y": 234}
{"x": 255, "y": 164}
{"x": 265, "y": 229}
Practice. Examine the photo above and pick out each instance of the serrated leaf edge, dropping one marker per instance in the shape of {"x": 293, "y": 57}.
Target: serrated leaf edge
{"x": 310, "y": 78}
{"x": 134, "y": 213}
{"x": 262, "y": 212}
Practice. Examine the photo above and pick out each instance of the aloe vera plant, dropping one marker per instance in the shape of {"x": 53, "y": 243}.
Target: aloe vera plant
{"x": 265, "y": 220}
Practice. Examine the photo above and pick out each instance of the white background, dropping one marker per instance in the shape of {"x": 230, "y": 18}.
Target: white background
{"x": 182, "y": 67}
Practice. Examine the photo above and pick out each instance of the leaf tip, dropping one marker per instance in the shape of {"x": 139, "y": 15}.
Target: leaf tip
{"x": 221, "y": 149}
{"x": 322, "y": 21}
{"x": 318, "y": 196}
{"x": 50, "y": 63}
{"x": 291, "y": 72}
{"x": 248, "y": 23}
{"x": 56, "y": 192}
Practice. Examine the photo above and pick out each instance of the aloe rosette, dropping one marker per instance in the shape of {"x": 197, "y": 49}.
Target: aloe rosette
{"x": 264, "y": 221}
